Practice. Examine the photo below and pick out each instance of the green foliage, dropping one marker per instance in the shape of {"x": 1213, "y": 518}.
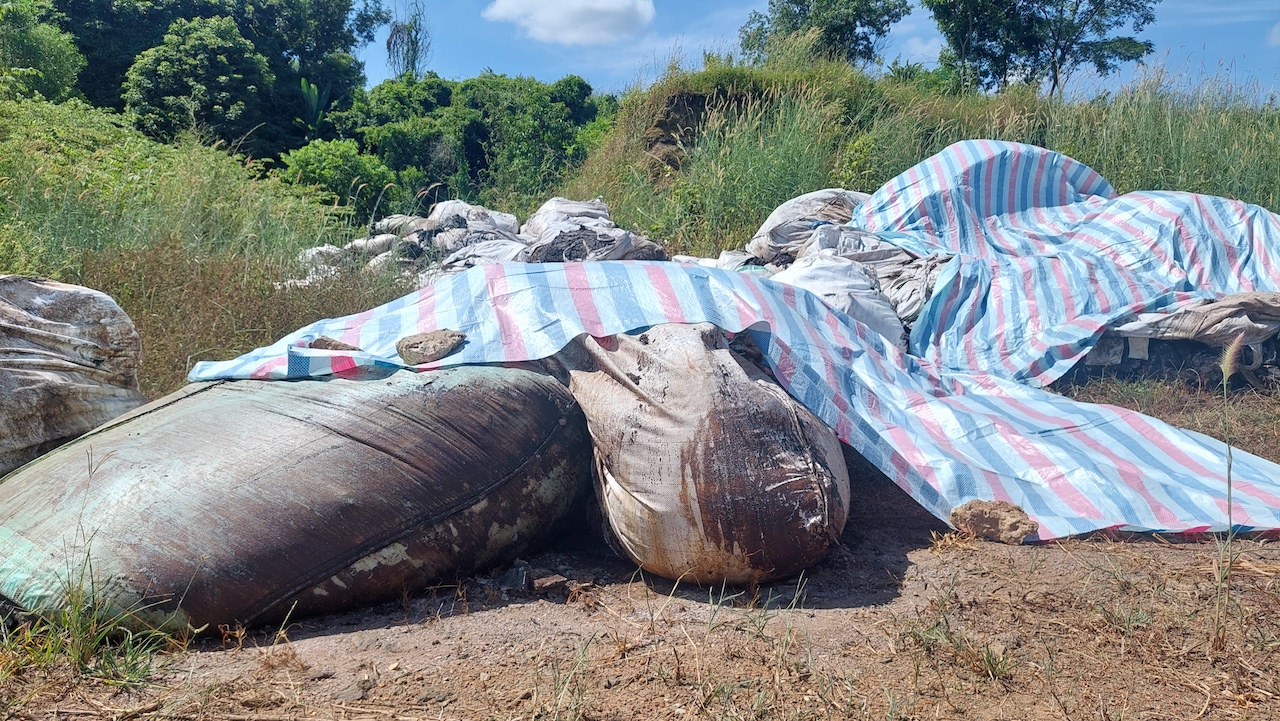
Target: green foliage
{"x": 943, "y": 80}
{"x": 316, "y": 102}
{"x": 416, "y": 142}
{"x": 85, "y": 636}
{"x": 574, "y": 94}
{"x": 992, "y": 43}
{"x": 746, "y": 160}
{"x": 393, "y": 100}
{"x": 337, "y": 167}
{"x": 847, "y": 29}
{"x": 205, "y": 73}
{"x": 36, "y": 58}
{"x": 495, "y": 139}
{"x": 298, "y": 39}
{"x": 528, "y": 135}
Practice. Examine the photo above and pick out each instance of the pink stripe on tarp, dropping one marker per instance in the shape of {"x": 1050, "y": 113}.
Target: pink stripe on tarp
{"x": 1148, "y": 242}
{"x": 513, "y": 347}
{"x": 947, "y": 207}
{"x": 427, "y": 319}
{"x": 988, "y": 188}
{"x": 1239, "y": 516}
{"x": 906, "y": 449}
{"x": 1013, "y": 183}
{"x": 263, "y": 372}
{"x": 764, "y": 312}
{"x": 671, "y": 306}
{"x": 1233, "y": 260}
{"x": 1184, "y": 240}
{"x": 1049, "y": 472}
{"x": 829, "y": 363}
{"x": 575, "y": 275}
{"x": 351, "y": 336}
{"x": 342, "y": 364}
{"x": 1129, "y": 470}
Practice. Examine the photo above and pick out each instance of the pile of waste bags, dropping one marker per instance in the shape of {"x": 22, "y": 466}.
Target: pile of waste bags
{"x": 457, "y": 236}
{"x": 709, "y": 405}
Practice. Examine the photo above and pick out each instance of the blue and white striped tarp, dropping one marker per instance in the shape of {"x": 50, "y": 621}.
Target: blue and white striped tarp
{"x": 1045, "y": 257}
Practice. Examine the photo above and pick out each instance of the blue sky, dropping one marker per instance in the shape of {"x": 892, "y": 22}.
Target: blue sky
{"x": 616, "y": 43}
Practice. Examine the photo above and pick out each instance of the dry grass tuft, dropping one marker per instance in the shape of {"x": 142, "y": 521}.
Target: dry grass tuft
{"x": 189, "y": 308}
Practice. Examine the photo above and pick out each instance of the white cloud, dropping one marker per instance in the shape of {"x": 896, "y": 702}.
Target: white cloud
{"x": 1273, "y": 37}
{"x": 574, "y": 22}
{"x": 922, "y": 50}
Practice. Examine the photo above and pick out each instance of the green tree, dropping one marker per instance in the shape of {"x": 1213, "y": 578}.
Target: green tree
{"x": 205, "y": 72}
{"x": 311, "y": 39}
{"x": 35, "y": 56}
{"x": 354, "y": 179}
{"x": 992, "y": 43}
{"x": 393, "y": 100}
{"x": 849, "y": 29}
{"x": 529, "y": 134}
{"x": 574, "y": 94}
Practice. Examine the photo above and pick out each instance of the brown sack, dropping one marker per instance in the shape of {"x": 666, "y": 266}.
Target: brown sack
{"x": 707, "y": 470}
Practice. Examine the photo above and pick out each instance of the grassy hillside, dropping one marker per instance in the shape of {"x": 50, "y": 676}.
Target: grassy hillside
{"x": 190, "y": 240}
{"x": 702, "y": 157}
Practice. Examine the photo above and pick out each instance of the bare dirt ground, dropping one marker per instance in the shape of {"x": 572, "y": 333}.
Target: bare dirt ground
{"x": 902, "y": 621}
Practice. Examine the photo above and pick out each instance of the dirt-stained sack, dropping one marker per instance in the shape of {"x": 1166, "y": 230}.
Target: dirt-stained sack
{"x": 248, "y": 501}
{"x": 505, "y": 222}
{"x": 791, "y": 225}
{"x": 707, "y": 471}
{"x": 562, "y": 210}
{"x": 68, "y": 363}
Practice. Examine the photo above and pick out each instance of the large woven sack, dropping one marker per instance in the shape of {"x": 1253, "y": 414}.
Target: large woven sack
{"x": 791, "y": 225}
{"x": 251, "y": 501}
{"x": 707, "y": 471}
{"x": 68, "y": 363}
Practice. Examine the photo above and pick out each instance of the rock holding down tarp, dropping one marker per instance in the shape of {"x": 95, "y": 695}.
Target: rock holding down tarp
{"x": 242, "y": 502}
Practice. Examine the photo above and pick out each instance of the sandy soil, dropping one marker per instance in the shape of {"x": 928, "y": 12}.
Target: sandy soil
{"x": 902, "y": 621}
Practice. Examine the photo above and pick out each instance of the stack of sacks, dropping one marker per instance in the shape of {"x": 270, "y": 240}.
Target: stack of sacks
{"x": 458, "y": 235}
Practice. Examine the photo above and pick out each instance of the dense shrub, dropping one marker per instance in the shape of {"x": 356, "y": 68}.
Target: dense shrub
{"x": 204, "y": 74}
{"x": 36, "y": 58}
{"x": 354, "y": 179}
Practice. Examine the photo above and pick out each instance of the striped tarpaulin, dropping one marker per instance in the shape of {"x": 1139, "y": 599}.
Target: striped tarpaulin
{"x": 1047, "y": 255}
{"x": 950, "y": 426}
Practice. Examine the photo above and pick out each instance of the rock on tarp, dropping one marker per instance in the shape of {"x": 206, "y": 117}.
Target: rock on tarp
{"x": 242, "y": 502}
{"x": 68, "y": 363}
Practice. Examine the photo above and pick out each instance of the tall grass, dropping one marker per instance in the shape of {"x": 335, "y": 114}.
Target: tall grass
{"x": 748, "y": 159}
{"x": 1216, "y": 138}
{"x": 74, "y": 179}
{"x": 189, "y": 307}
{"x": 84, "y": 639}
{"x": 193, "y": 242}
